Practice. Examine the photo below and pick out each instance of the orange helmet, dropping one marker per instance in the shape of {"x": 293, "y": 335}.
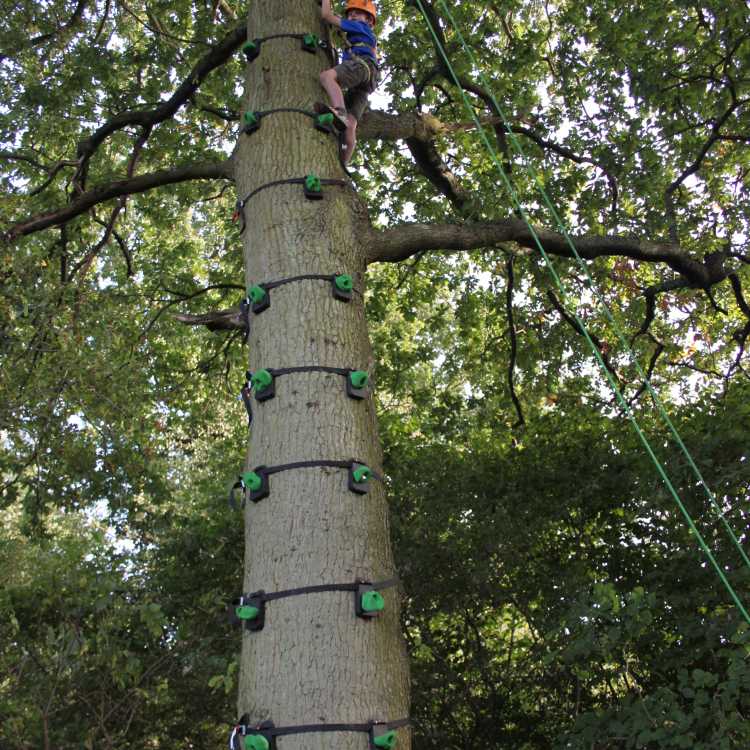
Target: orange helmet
{"x": 366, "y": 6}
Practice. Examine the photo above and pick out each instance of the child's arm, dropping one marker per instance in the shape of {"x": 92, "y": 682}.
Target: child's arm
{"x": 328, "y": 14}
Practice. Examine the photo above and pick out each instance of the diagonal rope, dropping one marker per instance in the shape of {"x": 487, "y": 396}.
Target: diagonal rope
{"x": 597, "y": 354}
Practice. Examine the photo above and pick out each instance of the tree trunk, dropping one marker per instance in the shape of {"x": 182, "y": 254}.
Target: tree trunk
{"x": 314, "y": 661}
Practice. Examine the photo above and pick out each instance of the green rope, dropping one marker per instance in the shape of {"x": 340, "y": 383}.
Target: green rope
{"x": 597, "y": 354}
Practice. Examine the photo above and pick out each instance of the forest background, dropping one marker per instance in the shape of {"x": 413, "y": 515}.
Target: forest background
{"x": 553, "y": 596}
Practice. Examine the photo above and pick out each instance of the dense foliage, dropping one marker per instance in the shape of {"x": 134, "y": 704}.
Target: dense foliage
{"x": 554, "y": 596}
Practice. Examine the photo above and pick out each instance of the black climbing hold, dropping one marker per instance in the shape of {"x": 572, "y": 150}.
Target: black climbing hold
{"x": 249, "y": 611}
{"x": 342, "y": 286}
{"x": 254, "y": 737}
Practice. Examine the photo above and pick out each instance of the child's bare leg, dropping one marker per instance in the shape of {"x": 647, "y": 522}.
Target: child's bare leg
{"x": 329, "y": 82}
{"x": 350, "y": 138}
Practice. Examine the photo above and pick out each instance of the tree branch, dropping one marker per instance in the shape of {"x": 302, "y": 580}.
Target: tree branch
{"x": 416, "y": 128}
{"x": 216, "y": 320}
{"x": 650, "y": 294}
{"x": 140, "y": 184}
{"x": 649, "y": 372}
{"x": 402, "y": 241}
{"x": 578, "y": 328}
{"x": 72, "y": 21}
{"x": 148, "y": 118}
{"x": 513, "y": 342}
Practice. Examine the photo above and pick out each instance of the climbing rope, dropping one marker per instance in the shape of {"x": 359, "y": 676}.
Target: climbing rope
{"x": 597, "y": 354}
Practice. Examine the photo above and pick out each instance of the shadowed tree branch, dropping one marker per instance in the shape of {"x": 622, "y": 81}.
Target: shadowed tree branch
{"x": 148, "y": 118}
{"x": 578, "y": 328}
{"x": 139, "y": 184}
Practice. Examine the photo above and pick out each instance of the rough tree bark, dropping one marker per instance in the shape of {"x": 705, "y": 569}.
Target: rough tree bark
{"x": 314, "y": 662}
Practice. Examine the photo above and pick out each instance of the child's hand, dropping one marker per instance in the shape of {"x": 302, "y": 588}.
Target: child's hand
{"x": 328, "y": 15}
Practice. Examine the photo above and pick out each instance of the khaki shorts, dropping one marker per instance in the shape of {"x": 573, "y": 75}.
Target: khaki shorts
{"x": 358, "y": 78}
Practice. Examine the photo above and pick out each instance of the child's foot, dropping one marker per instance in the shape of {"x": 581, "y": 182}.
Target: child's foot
{"x": 339, "y": 115}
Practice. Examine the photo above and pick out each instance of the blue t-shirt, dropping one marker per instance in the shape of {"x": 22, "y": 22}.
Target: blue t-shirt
{"x": 359, "y": 33}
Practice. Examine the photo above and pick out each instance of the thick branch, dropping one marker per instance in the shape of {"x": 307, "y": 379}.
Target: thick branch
{"x": 216, "y": 320}
{"x": 402, "y": 241}
{"x": 432, "y": 166}
{"x": 148, "y": 118}
{"x": 417, "y": 128}
{"x": 140, "y": 184}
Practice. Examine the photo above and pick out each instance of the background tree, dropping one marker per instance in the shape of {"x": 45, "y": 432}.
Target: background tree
{"x": 541, "y": 612}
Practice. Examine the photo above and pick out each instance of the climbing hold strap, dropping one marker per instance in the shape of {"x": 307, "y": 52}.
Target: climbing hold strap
{"x": 255, "y": 485}
{"x": 258, "y": 297}
{"x": 249, "y": 610}
{"x": 306, "y": 182}
{"x": 263, "y": 381}
{"x": 310, "y": 43}
{"x": 381, "y": 734}
{"x": 324, "y": 123}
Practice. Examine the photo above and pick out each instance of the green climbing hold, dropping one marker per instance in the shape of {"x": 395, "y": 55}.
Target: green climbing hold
{"x": 251, "y": 122}
{"x": 252, "y": 481}
{"x": 310, "y": 42}
{"x": 257, "y": 293}
{"x": 372, "y": 601}
{"x": 312, "y": 183}
{"x": 362, "y": 474}
{"x": 246, "y": 612}
{"x": 256, "y": 742}
{"x": 326, "y": 119}
{"x": 387, "y": 740}
{"x": 261, "y": 379}
{"x": 251, "y": 49}
{"x": 344, "y": 282}
{"x": 358, "y": 378}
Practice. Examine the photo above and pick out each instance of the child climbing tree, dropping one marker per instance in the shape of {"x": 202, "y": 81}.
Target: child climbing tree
{"x": 328, "y": 666}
